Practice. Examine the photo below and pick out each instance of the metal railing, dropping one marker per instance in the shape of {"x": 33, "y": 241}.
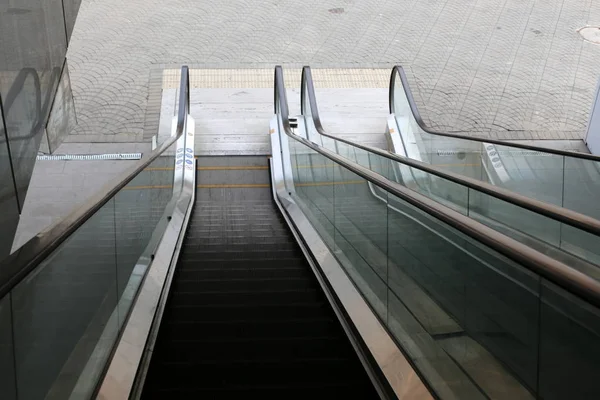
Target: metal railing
{"x": 20, "y": 263}
{"x": 547, "y": 267}
{"x": 566, "y": 216}
{"x": 398, "y": 73}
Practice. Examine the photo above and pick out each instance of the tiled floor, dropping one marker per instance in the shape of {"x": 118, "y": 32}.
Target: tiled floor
{"x": 515, "y": 69}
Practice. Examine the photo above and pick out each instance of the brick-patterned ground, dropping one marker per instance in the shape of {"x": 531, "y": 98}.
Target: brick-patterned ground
{"x": 511, "y": 68}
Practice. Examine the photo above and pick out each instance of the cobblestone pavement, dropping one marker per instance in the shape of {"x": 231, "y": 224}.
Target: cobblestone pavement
{"x": 511, "y": 68}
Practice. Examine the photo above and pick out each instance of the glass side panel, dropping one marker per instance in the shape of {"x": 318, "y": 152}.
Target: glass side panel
{"x": 138, "y": 209}
{"x": 569, "y": 349}
{"x": 9, "y": 217}
{"x": 68, "y": 312}
{"x": 313, "y": 182}
{"x": 8, "y": 389}
{"x": 564, "y": 181}
{"x": 538, "y": 231}
{"x": 582, "y": 186}
{"x": 33, "y": 48}
{"x": 530, "y": 173}
{"x": 472, "y": 303}
{"x": 361, "y": 235}
{"x": 65, "y": 308}
{"x": 512, "y": 220}
{"x": 474, "y": 323}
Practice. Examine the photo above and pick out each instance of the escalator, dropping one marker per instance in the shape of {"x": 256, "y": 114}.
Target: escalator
{"x": 556, "y": 230}
{"x": 567, "y": 179}
{"x": 245, "y": 314}
{"x": 305, "y": 274}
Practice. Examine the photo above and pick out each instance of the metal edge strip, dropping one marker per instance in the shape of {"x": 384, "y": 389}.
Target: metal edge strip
{"x": 345, "y": 299}
{"x": 127, "y": 369}
{"x": 138, "y": 385}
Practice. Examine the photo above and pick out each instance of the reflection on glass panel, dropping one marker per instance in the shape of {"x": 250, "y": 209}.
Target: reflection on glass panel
{"x": 61, "y": 119}
{"x": 512, "y": 220}
{"x": 8, "y": 390}
{"x": 471, "y": 310}
{"x": 9, "y": 217}
{"x": 361, "y": 235}
{"x": 139, "y": 206}
{"x": 583, "y": 245}
{"x": 33, "y": 49}
{"x": 313, "y": 182}
{"x": 64, "y": 312}
{"x": 534, "y": 174}
{"x": 582, "y": 186}
{"x": 531, "y": 173}
{"x": 22, "y": 110}
{"x": 569, "y": 349}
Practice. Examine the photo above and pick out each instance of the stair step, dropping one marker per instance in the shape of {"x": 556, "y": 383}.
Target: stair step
{"x": 246, "y": 316}
{"x": 240, "y": 312}
{"x": 242, "y": 249}
{"x": 303, "y": 371}
{"x": 178, "y": 330}
{"x": 197, "y": 262}
{"x": 239, "y": 255}
{"x": 236, "y": 285}
{"x": 265, "y": 349}
{"x": 337, "y": 390}
{"x": 251, "y": 271}
{"x": 247, "y": 297}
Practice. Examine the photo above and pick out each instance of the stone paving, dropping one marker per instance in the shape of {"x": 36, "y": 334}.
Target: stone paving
{"x": 511, "y": 69}
{"x": 516, "y": 69}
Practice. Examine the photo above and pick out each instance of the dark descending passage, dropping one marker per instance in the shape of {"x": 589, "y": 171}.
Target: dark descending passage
{"x": 246, "y": 315}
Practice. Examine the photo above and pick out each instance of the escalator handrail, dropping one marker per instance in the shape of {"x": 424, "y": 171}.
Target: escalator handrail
{"x": 558, "y": 273}
{"x": 398, "y": 71}
{"x": 564, "y": 215}
{"x": 20, "y": 263}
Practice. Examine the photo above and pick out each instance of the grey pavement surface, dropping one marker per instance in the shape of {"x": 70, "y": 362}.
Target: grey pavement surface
{"x": 516, "y": 69}
{"x": 58, "y": 187}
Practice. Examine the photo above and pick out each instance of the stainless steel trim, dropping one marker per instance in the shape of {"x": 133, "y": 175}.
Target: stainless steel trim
{"x": 558, "y": 273}
{"x": 127, "y": 370}
{"x": 399, "y": 373}
{"x": 556, "y": 213}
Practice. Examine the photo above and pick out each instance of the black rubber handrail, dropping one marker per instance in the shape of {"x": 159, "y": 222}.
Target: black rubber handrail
{"x": 558, "y": 273}
{"x": 17, "y": 265}
{"x": 398, "y": 71}
{"x": 564, "y": 215}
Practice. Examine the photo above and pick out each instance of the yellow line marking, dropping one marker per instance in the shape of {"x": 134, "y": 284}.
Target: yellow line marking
{"x": 148, "y": 187}
{"x": 456, "y": 165}
{"x": 236, "y": 168}
{"x": 233, "y": 186}
{"x": 330, "y": 183}
{"x": 241, "y": 185}
{"x": 315, "y": 166}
